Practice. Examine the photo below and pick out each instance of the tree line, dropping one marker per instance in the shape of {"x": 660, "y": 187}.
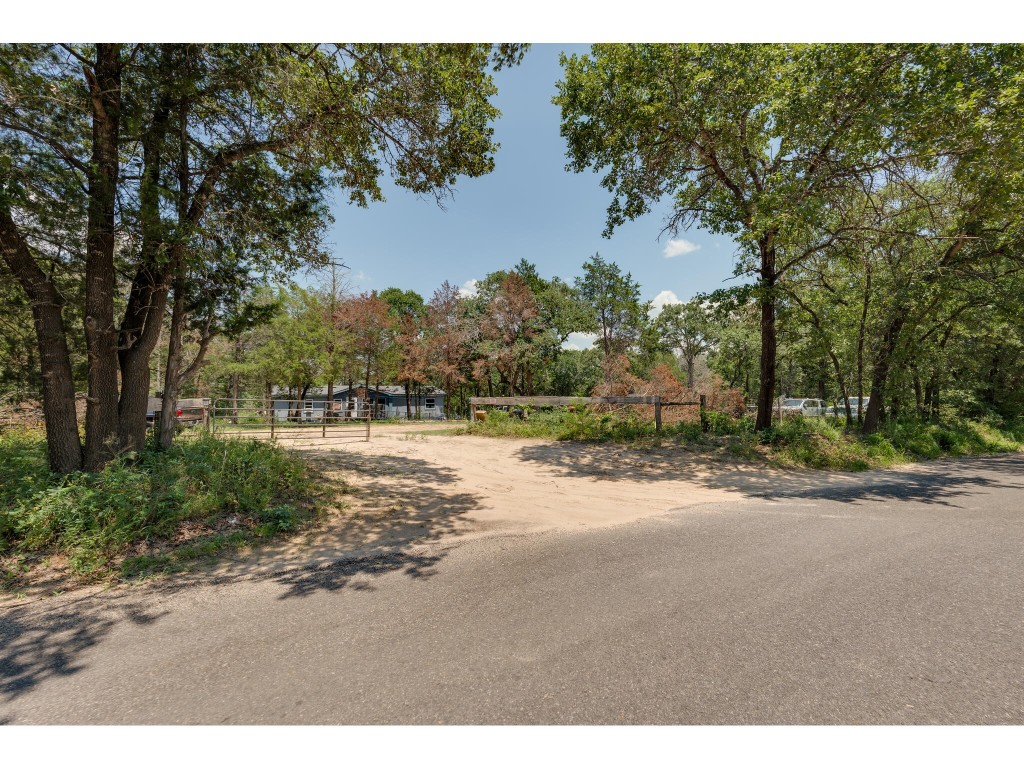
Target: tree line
{"x": 508, "y": 337}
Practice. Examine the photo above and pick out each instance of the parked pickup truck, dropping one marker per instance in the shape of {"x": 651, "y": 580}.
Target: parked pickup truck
{"x": 189, "y": 412}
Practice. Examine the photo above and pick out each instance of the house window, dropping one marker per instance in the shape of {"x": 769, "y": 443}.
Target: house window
{"x": 430, "y": 402}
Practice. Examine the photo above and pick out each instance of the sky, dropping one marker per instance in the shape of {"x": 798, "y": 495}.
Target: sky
{"x": 528, "y": 207}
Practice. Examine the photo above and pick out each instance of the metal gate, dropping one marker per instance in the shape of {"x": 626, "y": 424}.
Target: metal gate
{"x": 288, "y": 420}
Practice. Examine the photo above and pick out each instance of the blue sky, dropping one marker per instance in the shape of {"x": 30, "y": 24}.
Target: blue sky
{"x": 528, "y": 207}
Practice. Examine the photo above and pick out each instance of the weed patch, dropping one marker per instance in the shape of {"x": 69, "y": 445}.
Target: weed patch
{"x": 150, "y": 508}
{"x": 819, "y": 443}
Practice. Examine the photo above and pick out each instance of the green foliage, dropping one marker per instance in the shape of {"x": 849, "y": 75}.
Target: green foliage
{"x": 145, "y": 499}
{"x": 617, "y": 314}
{"x": 574, "y": 373}
{"x": 23, "y": 472}
{"x": 908, "y": 157}
{"x": 824, "y": 444}
{"x": 563, "y": 424}
{"x": 806, "y": 442}
{"x": 687, "y": 328}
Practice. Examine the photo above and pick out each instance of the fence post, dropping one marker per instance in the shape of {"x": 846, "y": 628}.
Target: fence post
{"x": 323, "y": 422}
{"x": 703, "y": 413}
{"x": 657, "y": 413}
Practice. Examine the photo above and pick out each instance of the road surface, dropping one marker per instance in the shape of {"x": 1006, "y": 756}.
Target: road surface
{"x": 895, "y": 598}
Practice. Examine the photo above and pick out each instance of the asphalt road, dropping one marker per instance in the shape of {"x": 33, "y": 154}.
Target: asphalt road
{"x": 895, "y": 598}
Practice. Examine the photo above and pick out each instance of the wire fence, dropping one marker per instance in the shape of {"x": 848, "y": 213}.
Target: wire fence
{"x": 288, "y": 420}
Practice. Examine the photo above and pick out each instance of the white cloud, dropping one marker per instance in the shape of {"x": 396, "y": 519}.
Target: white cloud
{"x": 469, "y": 288}
{"x": 661, "y": 300}
{"x": 579, "y": 341}
{"x": 675, "y": 248}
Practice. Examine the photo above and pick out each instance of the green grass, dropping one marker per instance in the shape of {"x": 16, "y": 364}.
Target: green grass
{"x": 816, "y": 442}
{"x": 151, "y": 508}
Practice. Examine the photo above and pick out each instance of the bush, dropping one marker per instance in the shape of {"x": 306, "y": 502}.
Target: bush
{"x": 23, "y": 472}
{"x": 719, "y": 423}
{"x": 148, "y": 497}
{"x": 563, "y": 424}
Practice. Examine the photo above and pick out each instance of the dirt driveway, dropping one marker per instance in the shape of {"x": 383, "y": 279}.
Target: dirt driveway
{"x": 412, "y": 488}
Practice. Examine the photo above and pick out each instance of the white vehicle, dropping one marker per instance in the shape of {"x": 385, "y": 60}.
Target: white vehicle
{"x": 855, "y": 405}
{"x": 803, "y": 406}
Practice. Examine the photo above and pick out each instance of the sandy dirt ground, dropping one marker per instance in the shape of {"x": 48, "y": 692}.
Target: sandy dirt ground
{"x": 413, "y": 487}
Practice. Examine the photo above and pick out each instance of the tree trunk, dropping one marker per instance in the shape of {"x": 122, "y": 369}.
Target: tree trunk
{"x": 101, "y": 413}
{"x": 408, "y": 404}
{"x": 172, "y": 378}
{"x": 880, "y": 374}
{"x": 918, "y": 398}
{"x": 236, "y": 380}
{"x": 993, "y": 378}
{"x": 147, "y": 299}
{"x": 862, "y": 332}
{"x": 689, "y": 371}
{"x": 843, "y": 393}
{"x": 769, "y": 342}
{"x": 62, "y": 442}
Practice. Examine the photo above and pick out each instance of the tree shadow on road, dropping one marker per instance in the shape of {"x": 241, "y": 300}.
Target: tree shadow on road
{"x": 36, "y": 645}
{"x": 355, "y": 574}
{"x": 937, "y": 482}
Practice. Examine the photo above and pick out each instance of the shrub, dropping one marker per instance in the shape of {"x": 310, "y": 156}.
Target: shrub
{"x": 719, "y": 423}
{"x": 148, "y": 497}
{"x": 563, "y": 424}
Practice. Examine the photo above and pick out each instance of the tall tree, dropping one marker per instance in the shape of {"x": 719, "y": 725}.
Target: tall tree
{"x": 688, "y": 329}
{"x": 617, "y": 314}
{"x": 371, "y": 326}
{"x": 407, "y": 308}
{"x": 449, "y": 337}
{"x": 508, "y": 328}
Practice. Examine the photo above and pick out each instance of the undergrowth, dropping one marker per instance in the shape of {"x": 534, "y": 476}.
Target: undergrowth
{"x": 149, "y": 509}
{"x": 821, "y": 443}
{"x": 562, "y": 424}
